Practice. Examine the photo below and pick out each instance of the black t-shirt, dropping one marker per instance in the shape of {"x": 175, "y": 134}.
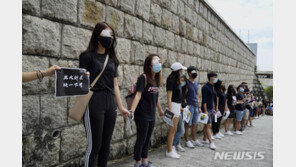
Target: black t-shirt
{"x": 184, "y": 94}
{"x": 94, "y": 62}
{"x": 240, "y": 107}
{"x": 146, "y": 108}
{"x": 209, "y": 96}
{"x": 173, "y": 85}
{"x": 230, "y": 102}
{"x": 222, "y": 101}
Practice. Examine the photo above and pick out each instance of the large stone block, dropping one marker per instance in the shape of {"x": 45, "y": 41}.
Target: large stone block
{"x": 166, "y": 19}
{"x": 182, "y": 27}
{"x": 41, "y": 36}
{"x": 75, "y": 41}
{"x": 115, "y": 19}
{"x": 190, "y": 47}
{"x": 163, "y": 54}
{"x": 183, "y": 45}
{"x": 143, "y": 9}
{"x": 73, "y": 142}
{"x": 188, "y": 14}
{"x": 131, "y": 74}
{"x": 172, "y": 57}
{"x": 53, "y": 112}
{"x": 34, "y": 63}
{"x": 117, "y": 150}
{"x": 159, "y": 36}
{"x": 181, "y": 9}
{"x": 31, "y": 6}
{"x": 148, "y": 31}
{"x": 41, "y": 148}
{"x": 175, "y": 24}
{"x": 177, "y": 42}
{"x": 174, "y": 6}
{"x": 118, "y": 133}
{"x": 133, "y": 27}
{"x": 30, "y": 114}
{"x": 130, "y": 143}
{"x": 123, "y": 50}
{"x": 127, "y": 6}
{"x": 156, "y": 136}
{"x": 169, "y": 37}
{"x": 137, "y": 53}
{"x": 181, "y": 58}
{"x": 155, "y": 14}
{"x": 189, "y": 31}
{"x": 65, "y": 10}
{"x": 91, "y": 12}
{"x": 150, "y": 49}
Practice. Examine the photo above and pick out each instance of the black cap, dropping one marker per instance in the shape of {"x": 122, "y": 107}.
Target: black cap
{"x": 191, "y": 68}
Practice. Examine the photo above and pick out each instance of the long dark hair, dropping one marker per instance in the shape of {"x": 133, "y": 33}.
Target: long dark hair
{"x": 231, "y": 90}
{"x": 94, "y": 41}
{"x": 218, "y": 86}
{"x": 175, "y": 75}
{"x": 147, "y": 71}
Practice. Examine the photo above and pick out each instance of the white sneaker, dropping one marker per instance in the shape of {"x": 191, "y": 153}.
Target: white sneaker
{"x": 216, "y": 136}
{"x": 213, "y": 137}
{"x": 197, "y": 143}
{"x": 180, "y": 148}
{"x": 252, "y": 125}
{"x": 238, "y": 132}
{"x": 172, "y": 154}
{"x": 220, "y": 134}
{"x": 189, "y": 144}
{"x": 212, "y": 146}
{"x": 229, "y": 133}
{"x": 205, "y": 141}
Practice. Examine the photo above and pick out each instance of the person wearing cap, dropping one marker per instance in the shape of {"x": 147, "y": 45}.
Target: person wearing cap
{"x": 208, "y": 107}
{"x": 174, "y": 97}
{"x": 192, "y": 99}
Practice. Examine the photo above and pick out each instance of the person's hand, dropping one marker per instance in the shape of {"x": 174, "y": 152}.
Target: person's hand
{"x": 133, "y": 116}
{"x": 124, "y": 112}
{"x": 199, "y": 110}
{"x": 161, "y": 114}
{"x": 87, "y": 73}
{"x": 50, "y": 71}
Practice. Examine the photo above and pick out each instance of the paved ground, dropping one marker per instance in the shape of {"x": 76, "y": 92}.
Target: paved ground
{"x": 254, "y": 139}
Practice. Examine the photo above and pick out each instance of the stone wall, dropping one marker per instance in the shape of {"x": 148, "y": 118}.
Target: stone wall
{"x": 57, "y": 31}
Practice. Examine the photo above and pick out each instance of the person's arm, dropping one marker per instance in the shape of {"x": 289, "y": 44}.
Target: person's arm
{"x": 169, "y": 98}
{"x": 122, "y": 110}
{"x": 31, "y": 76}
{"x": 136, "y": 102}
{"x": 198, "y": 102}
{"x": 160, "y": 112}
{"x": 217, "y": 104}
{"x": 226, "y": 105}
{"x": 204, "y": 98}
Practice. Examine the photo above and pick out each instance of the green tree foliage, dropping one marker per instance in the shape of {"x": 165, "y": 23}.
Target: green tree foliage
{"x": 269, "y": 92}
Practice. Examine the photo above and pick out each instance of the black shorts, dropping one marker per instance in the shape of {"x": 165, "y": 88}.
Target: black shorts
{"x": 232, "y": 114}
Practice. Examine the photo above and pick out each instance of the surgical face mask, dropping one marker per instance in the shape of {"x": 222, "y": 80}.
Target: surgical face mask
{"x": 182, "y": 74}
{"x": 241, "y": 89}
{"x": 194, "y": 75}
{"x": 215, "y": 80}
{"x": 156, "y": 67}
{"x": 183, "y": 83}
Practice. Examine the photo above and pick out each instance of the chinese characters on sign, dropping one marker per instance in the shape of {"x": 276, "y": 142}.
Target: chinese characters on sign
{"x": 71, "y": 82}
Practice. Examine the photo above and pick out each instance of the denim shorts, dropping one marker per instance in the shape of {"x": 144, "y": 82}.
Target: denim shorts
{"x": 211, "y": 116}
{"x": 194, "y": 115}
{"x": 239, "y": 115}
{"x": 251, "y": 114}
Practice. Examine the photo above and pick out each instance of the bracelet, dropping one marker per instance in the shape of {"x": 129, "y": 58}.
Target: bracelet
{"x": 40, "y": 76}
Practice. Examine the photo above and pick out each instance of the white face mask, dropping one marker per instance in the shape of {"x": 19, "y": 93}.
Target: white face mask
{"x": 215, "y": 80}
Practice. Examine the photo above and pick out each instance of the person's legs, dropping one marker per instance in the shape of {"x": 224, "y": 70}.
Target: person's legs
{"x": 239, "y": 116}
{"x": 179, "y": 132}
{"x": 144, "y": 154}
{"x": 186, "y": 132}
{"x": 194, "y": 123}
{"x": 142, "y": 130}
{"x": 171, "y": 134}
{"x": 109, "y": 124}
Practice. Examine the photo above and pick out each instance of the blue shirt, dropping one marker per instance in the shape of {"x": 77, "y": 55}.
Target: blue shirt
{"x": 208, "y": 96}
{"x": 191, "y": 96}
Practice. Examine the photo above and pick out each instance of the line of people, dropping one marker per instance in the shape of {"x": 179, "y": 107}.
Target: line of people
{"x": 182, "y": 94}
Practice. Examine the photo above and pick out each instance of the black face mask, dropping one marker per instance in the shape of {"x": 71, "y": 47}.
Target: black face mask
{"x": 106, "y": 42}
{"x": 194, "y": 75}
